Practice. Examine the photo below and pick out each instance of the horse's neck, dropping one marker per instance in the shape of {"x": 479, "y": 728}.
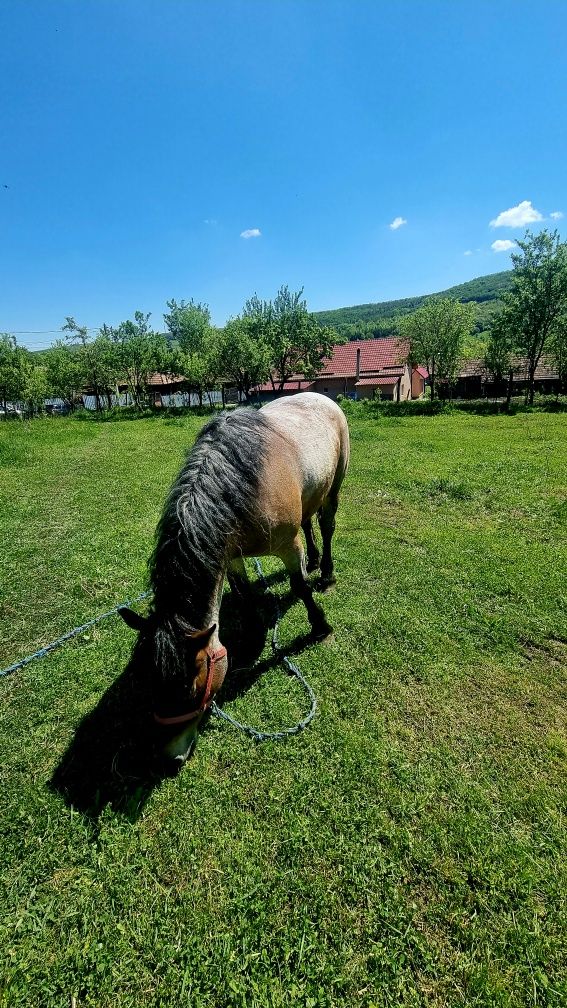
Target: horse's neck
{"x": 213, "y": 614}
{"x": 203, "y": 614}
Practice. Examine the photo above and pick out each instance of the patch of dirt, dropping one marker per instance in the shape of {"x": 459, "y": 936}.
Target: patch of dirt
{"x": 553, "y": 649}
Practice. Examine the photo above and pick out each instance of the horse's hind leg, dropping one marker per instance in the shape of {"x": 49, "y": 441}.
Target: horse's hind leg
{"x": 326, "y": 517}
{"x": 313, "y": 555}
{"x": 294, "y": 559}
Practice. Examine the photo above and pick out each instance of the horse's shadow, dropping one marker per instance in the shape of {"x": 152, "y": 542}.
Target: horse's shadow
{"x": 113, "y": 759}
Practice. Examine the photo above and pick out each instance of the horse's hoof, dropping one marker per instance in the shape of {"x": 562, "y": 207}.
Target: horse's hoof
{"x": 325, "y": 584}
{"x": 323, "y": 633}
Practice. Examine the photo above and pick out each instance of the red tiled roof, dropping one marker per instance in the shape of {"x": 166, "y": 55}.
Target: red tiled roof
{"x": 381, "y": 380}
{"x": 375, "y": 355}
{"x": 294, "y": 385}
{"x": 423, "y": 372}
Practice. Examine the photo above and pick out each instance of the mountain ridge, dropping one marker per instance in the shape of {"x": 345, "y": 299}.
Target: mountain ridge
{"x": 486, "y": 291}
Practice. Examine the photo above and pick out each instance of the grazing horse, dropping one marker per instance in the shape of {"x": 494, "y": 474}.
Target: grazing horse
{"x": 251, "y": 482}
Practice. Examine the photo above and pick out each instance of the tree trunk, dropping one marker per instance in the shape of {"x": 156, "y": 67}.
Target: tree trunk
{"x": 509, "y": 389}
{"x": 531, "y": 383}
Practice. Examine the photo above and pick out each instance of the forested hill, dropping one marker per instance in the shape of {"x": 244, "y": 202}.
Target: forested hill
{"x": 358, "y": 320}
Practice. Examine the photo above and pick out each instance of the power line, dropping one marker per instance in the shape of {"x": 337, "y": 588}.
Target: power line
{"x": 45, "y": 332}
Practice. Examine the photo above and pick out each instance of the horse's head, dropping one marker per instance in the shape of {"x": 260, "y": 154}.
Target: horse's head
{"x": 187, "y": 672}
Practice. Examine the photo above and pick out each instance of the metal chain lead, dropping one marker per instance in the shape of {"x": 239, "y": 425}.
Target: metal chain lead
{"x": 70, "y": 634}
{"x": 293, "y": 669}
{"x": 255, "y": 733}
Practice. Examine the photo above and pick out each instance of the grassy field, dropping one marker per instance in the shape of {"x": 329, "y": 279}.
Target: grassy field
{"x": 406, "y": 850}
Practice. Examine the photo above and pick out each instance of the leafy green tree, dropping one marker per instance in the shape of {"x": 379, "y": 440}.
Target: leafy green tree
{"x": 297, "y": 343}
{"x": 243, "y": 355}
{"x": 13, "y": 369}
{"x": 475, "y": 346}
{"x": 498, "y": 358}
{"x": 97, "y": 360}
{"x": 35, "y": 390}
{"x": 536, "y": 304}
{"x": 189, "y": 324}
{"x": 138, "y": 352}
{"x": 558, "y": 350}
{"x": 436, "y": 334}
{"x": 64, "y": 373}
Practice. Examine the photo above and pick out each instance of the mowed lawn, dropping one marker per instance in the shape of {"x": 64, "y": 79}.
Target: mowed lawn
{"x": 407, "y": 849}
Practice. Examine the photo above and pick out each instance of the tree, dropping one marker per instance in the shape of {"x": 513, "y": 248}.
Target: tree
{"x": 297, "y": 343}
{"x": 498, "y": 359}
{"x": 138, "y": 352}
{"x": 64, "y": 372}
{"x": 35, "y": 390}
{"x": 243, "y": 356}
{"x": 558, "y": 350}
{"x": 13, "y": 369}
{"x": 536, "y": 305}
{"x": 436, "y": 334}
{"x": 97, "y": 360}
{"x": 189, "y": 324}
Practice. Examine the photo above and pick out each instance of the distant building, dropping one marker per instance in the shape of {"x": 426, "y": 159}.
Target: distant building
{"x": 475, "y": 381}
{"x": 361, "y": 369}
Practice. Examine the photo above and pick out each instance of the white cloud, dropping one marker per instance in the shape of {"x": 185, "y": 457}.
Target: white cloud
{"x": 517, "y": 216}
{"x": 397, "y": 223}
{"x": 557, "y": 214}
{"x": 211, "y": 221}
{"x": 468, "y": 252}
{"x": 502, "y": 245}
{"x": 251, "y": 233}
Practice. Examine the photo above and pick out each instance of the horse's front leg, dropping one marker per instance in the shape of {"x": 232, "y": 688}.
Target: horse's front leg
{"x": 238, "y": 578}
{"x": 294, "y": 559}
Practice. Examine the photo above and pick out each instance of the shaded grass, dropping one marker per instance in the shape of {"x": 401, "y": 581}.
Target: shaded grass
{"x": 407, "y": 849}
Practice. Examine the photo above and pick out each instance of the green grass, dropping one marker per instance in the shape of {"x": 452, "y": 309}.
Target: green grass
{"x": 405, "y": 850}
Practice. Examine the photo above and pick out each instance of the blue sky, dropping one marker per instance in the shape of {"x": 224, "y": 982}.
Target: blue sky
{"x": 141, "y": 139}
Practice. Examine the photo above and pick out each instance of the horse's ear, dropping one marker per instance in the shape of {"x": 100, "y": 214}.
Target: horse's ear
{"x": 200, "y": 639}
{"x": 133, "y": 619}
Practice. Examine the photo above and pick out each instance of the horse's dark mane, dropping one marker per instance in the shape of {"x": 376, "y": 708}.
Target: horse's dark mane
{"x": 214, "y": 494}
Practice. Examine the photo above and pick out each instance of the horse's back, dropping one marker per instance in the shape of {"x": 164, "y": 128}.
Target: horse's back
{"x": 314, "y": 431}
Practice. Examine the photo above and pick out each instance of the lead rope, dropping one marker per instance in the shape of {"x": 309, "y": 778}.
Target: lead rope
{"x": 255, "y": 733}
{"x": 292, "y": 668}
{"x": 42, "y": 652}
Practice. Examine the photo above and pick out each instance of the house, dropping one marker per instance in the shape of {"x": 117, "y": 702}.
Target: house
{"x": 362, "y": 369}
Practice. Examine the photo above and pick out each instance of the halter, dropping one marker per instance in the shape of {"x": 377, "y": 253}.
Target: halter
{"x": 212, "y": 658}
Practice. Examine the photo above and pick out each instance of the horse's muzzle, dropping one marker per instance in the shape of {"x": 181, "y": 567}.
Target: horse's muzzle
{"x": 177, "y": 747}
